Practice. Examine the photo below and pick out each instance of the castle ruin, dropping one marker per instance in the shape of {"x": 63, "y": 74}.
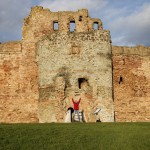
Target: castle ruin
{"x": 65, "y": 55}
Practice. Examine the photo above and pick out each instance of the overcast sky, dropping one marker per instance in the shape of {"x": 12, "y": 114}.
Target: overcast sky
{"x": 127, "y": 20}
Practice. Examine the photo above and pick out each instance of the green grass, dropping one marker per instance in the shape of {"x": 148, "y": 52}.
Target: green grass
{"x": 76, "y": 136}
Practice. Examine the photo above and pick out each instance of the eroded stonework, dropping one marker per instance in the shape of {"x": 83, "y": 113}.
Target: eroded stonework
{"x": 72, "y": 65}
{"x": 75, "y": 68}
{"x": 56, "y": 62}
{"x": 131, "y": 79}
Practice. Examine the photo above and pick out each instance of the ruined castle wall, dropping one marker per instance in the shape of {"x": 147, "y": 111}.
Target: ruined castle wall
{"x": 41, "y": 22}
{"x": 64, "y": 60}
{"x": 131, "y": 79}
{"x": 15, "y": 104}
{"x": 39, "y": 25}
{"x": 41, "y": 74}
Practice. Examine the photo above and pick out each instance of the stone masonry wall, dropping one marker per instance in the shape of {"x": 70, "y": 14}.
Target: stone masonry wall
{"x": 19, "y": 71}
{"x": 39, "y": 24}
{"x": 63, "y": 60}
{"x": 41, "y": 74}
{"x": 131, "y": 79}
{"x": 16, "y": 104}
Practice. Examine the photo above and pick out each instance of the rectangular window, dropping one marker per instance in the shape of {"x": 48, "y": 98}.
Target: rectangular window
{"x": 72, "y": 26}
{"x": 55, "y": 25}
{"x": 95, "y": 25}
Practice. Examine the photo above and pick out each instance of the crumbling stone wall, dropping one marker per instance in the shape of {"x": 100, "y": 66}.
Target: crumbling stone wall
{"x": 51, "y": 65}
{"x": 41, "y": 22}
{"x": 16, "y": 103}
{"x": 73, "y": 65}
{"x": 30, "y": 96}
{"x": 64, "y": 58}
{"x": 131, "y": 79}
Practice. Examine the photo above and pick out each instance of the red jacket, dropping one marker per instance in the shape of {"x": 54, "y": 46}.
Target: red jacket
{"x": 76, "y": 104}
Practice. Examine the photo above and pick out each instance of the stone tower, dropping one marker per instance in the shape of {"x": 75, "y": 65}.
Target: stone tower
{"x": 62, "y": 55}
{"x": 73, "y": 55}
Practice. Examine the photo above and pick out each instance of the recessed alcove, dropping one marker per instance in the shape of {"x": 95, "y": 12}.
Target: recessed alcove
{"x": 82, "y": 83}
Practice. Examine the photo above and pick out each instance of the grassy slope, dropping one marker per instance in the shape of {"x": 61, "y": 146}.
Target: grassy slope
{"x": 76, "y": 136}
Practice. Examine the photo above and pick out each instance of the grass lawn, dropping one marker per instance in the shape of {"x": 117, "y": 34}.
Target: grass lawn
{"x": 75, "y": 136}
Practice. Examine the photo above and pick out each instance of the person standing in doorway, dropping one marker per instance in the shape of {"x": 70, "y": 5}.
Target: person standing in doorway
{"x": 76, "y": 107}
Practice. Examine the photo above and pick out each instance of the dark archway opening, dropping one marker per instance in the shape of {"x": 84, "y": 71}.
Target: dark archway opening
{"x": 72, "y": 111}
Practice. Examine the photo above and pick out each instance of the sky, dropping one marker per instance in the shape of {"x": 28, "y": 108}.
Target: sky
{"x": 127, "y": 20}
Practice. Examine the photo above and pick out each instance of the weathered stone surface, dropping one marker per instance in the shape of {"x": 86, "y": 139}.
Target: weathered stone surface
{"x": 86, "y": 70}
{"x": 42, "y": 73}
{"x": 17, "y": 101}
{"x": 131, "y": 79}
{"x": 41, "y": 22}
{"x": 10, "y": 47}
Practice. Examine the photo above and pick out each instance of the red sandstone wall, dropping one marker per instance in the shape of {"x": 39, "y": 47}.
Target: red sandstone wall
{"x": 132, "y": 92}
{"x": 16, "y": 102}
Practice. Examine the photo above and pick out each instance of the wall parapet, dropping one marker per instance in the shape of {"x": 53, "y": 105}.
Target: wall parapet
{"x": 10, "y": 47}
{"x": 125, "y": 50}
{"x": 42, "y": 22}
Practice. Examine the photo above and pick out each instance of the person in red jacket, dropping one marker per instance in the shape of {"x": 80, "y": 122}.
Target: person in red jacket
{"x": 76, "y": 107}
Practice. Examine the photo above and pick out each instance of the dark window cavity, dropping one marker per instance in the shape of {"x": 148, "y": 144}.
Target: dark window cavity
{"x": 80, "y": 18}
{"x": 120, "y": 79}
{"x": 123, "y": 61}
{"x": 82, "y": 82}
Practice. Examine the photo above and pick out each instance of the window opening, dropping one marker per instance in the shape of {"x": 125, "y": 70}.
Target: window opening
{"x": 55, "y": 25}
{"x": 72, "y": 26}
{"x": 95, "y": 25}
{"x": 82, "y": 82}
{"x": 80, "y": 18}
{"x": 123, "y": 61}
{"x": 121, "y": 79}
